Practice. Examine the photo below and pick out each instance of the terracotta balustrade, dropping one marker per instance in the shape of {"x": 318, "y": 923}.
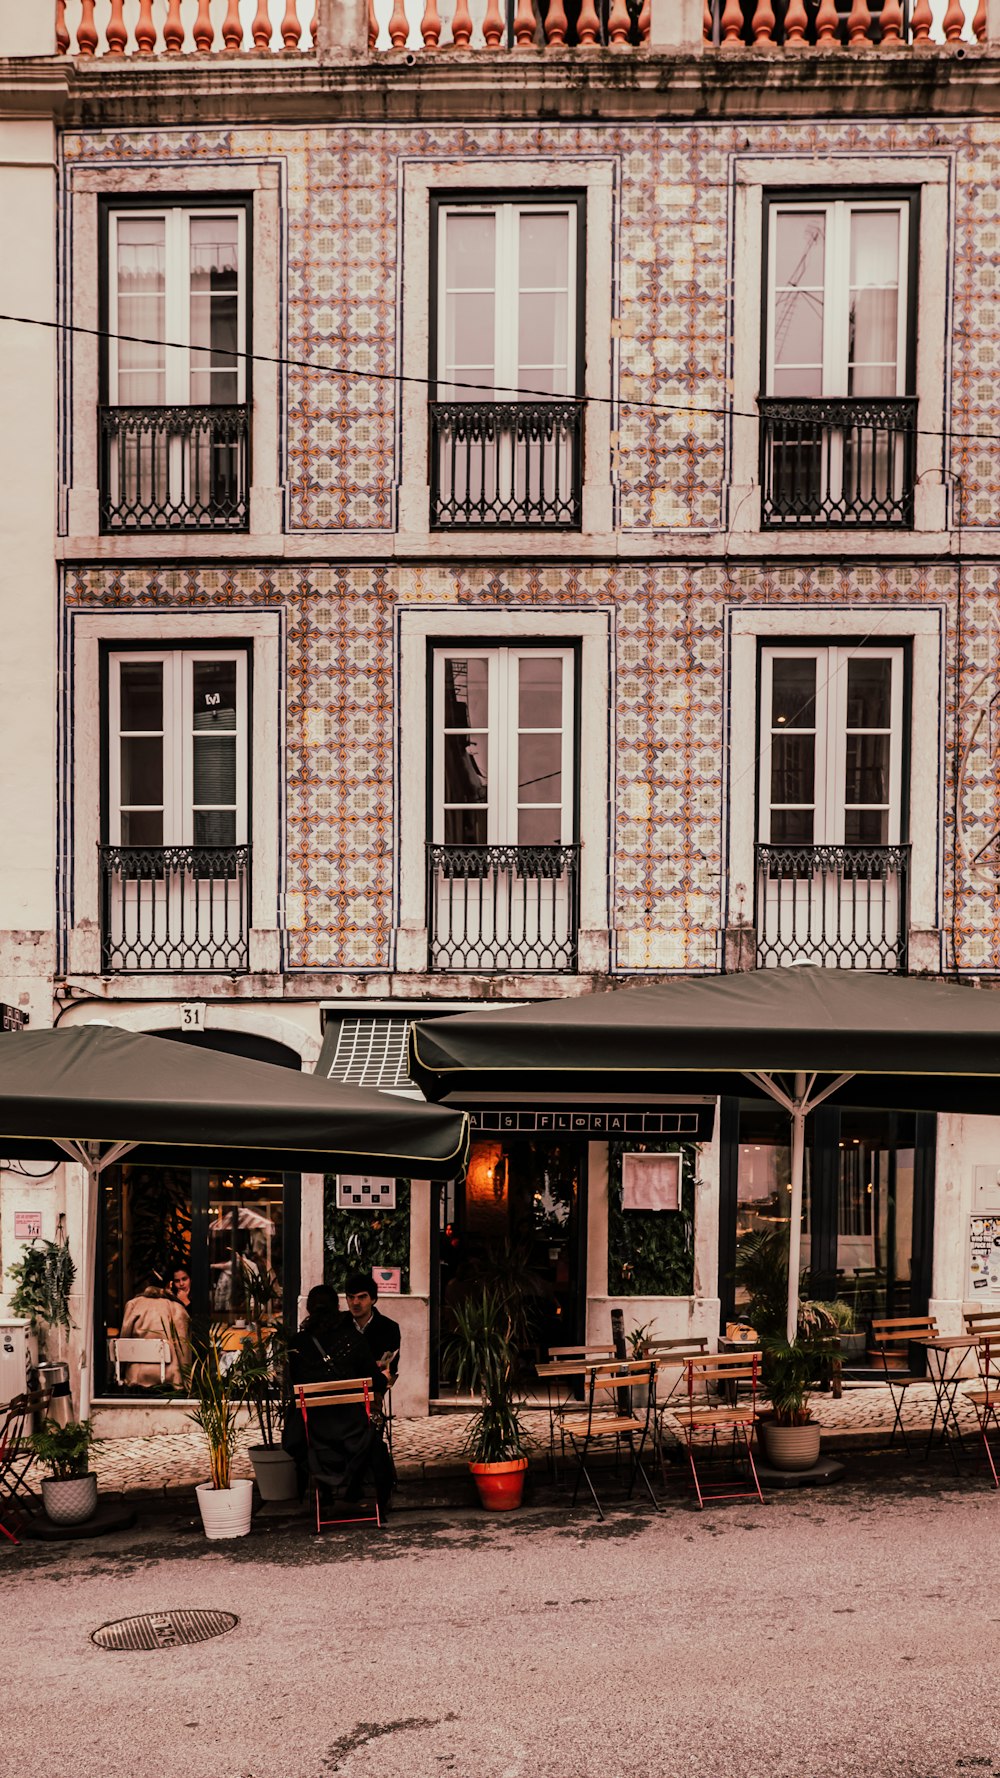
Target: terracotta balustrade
{"x": 116, "y": 28}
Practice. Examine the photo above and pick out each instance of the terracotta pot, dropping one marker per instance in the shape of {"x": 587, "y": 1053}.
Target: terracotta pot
{"x": 225, "y": 1512}
{"x": 71, "y": 1502}
{"x": 500, "y": 1485}
{"x": 275, "y": 1471}
{"x": 790, "y": 1447}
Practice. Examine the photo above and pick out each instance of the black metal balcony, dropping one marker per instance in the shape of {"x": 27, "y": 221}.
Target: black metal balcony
{"x": 175, "y": 908}
{"x": 511, "y": 908}
{"x": 174, "y": 468}
{"x": 841, "y": 906}
{"x": 506, "y": 464}
{"x": 837, "y": 462}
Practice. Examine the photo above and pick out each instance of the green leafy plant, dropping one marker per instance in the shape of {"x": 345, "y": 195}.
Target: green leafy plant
{"x": 790, "y": 1370}
{"x": 484, "y": 1353}
{"x": 362, "y": 1240}
{"x": 638, "y": 1339}
{"x": 651, "y": 1252}
{"x": 65, "y": 1450}
{"x": 43, "y": 1278}
{"x": 262, "y": 1360}
{"x": 218, "y": 1384}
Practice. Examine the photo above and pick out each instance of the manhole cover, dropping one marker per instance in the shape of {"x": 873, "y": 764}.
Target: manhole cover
{"x": 164, "y": 1629}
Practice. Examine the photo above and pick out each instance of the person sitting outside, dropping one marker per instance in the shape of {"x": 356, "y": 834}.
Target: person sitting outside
{"x": 344, "y": 1445}
{"x": 156, "y": 1314}
{"x": 379, "y": 1332}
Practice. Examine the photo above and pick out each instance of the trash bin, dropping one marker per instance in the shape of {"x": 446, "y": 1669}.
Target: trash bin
{"x": 55, "y": 1378}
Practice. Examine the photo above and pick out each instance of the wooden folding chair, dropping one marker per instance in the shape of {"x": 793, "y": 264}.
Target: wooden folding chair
{"x": 352, "y": 1392}
{"x": 611, "y": 1417}
{"x": 891, "y": 1339}
{"x": 982, "y": 1322}
{"x": 723, "y": 1370}
{"x": 15, "y": 1455}
{"x": 139, "y": 1351}
{"x": 670, "y": 1357}
{"x": 986, "y": 1398}
{"x": 577, "y": 1359}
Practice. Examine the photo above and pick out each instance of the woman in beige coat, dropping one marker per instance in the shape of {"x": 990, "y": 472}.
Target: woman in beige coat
{"x": 156, "y": 1315}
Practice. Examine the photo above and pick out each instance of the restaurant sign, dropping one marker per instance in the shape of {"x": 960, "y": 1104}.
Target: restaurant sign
{"x": 686, "y": 1123}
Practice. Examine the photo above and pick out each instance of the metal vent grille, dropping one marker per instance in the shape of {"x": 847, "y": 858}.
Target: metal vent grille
{"x": 371, "y": 1053}
{"x": 164, "y": 1629}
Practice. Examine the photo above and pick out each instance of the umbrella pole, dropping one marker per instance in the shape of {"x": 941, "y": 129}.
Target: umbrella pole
{"x": 795, "y": 1229}
{"x": 91, "y": 1188}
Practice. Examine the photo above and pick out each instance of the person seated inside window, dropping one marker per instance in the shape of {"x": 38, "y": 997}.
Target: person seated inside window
{"x": 344, "y": 1445}
{"x": 157, "y": 1315}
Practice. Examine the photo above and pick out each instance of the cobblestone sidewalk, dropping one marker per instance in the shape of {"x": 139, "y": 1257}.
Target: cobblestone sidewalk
{"x": 175, "y": 1461}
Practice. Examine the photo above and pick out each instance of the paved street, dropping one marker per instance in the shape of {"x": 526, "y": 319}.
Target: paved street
{"x": 846, "y": 1631}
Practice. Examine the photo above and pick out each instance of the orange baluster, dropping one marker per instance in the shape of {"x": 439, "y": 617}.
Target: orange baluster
{"x": 892, "y": 21}
{"x": 979, "y": 22}
{"x": 706, "y": 22}
{"x": 399, "y": 25}
{"x": 232, "y": 26}
{"x": 261, "y": 26}
{"x": 588, "y": 25}
{"x": 921, "y": 21}
{"x": 86, "y": 30}
{"x": 493, "y": 25}
{"x": 763, "y": 22}
{"x": 372, "y": 25}
{"x": 732, "y": 21}
{"x": 204, "y": 33}
{"x": 858, "y": 22}
{"x": 524, "y": 24}
{"x": 291, "y": 26}
{"x": 953, "y": 21}
{"x": 62, "y": 34}
{"x": 145, "y": 29}
{"x": 173, "y": 30}
{"x": 430, "y": 25}
{"x": 795, "y": 22}
{"x": 618, "y": 23}
{"x": 461, "y": 24}
{"x": 116, "y": 31}
{"x": 645, "y": 20}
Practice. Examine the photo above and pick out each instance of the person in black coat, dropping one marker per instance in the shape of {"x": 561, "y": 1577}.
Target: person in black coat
{"x": 343, "y": 1445}
{"x": 380, "y": 1333}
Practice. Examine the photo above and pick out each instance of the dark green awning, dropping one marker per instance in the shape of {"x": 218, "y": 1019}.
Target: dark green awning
{"x": 909, "y": 1043}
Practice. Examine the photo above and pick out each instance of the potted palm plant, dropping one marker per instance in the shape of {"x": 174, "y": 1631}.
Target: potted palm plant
{"x": 69, "y": 1493}
{"x": 484, "y": 1353}
{"x": 216, "y": 1382}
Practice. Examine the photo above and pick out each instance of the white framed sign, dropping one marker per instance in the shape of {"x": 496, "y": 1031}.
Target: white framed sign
{"x": 365, "y": 1191}
{"x": 651, "y": 1181}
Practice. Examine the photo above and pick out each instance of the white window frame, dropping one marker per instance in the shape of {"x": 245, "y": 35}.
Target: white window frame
{"x": 831, "y": 731}
{"x": 507, "y": 375}
{"x": 836, "y": 294}
{"x": 931, "y": 176}
{"x": 503, "y": 730}
{"x": 178, "y": 741}
{"x": 180, "y": 356}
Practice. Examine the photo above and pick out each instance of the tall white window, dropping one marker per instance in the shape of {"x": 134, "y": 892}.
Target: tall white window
{"x": 837, "y": 324}
{"x": 831, "y": 746}
{"x": 503, "y": 747}
{"x": 177, "y": 275}
{"x": 506, "y": 429}
{"x": 177, "y": 771}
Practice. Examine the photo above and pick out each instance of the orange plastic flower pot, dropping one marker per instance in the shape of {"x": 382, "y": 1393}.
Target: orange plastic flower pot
{"x": 500, "y": 1485}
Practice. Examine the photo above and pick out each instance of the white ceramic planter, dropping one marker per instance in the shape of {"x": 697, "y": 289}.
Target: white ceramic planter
{"x": 275, "y": 1471}
{"x": 225, "y": 1512}
{"x": 72, "y": 1502}
{"x": 790, "y": 1447}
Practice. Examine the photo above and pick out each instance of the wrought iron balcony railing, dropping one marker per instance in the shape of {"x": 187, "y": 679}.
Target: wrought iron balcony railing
{"x": 512, "y": 908}
{"x": 506, "y": 464}
{"x": 174, "y": 468}
{"x": 842, "y": 906}
{"x": 838, "y": 461}
{"x": 175, "y": 908}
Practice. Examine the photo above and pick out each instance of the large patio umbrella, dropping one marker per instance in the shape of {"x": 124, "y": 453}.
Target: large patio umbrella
{"x": 95, "y": 1094}
{"x": 799, "y": 1036}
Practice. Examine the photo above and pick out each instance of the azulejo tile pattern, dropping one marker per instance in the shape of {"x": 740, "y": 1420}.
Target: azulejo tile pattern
{"x": 673, "y": 239}
{"x": 668, "y": 818}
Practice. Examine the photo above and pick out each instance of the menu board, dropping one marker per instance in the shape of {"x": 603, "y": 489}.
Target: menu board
{"x": 984, "y": 1257}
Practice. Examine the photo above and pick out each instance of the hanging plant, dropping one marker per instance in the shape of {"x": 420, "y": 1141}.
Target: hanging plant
{"x": 43, "y": 1279}
{"x": 361, "y": 1240}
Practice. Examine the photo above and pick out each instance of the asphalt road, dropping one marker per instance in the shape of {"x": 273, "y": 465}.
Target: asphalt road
{"x": 852, "y": 1631}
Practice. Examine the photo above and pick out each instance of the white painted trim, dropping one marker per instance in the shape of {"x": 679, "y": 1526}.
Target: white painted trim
{"x": 492, "y": 624}
{"x": 925, "y": 627}
{"x": 594, "y": 176}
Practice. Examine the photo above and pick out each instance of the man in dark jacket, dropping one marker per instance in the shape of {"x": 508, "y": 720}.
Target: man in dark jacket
{"x": 380, "y": 1333}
